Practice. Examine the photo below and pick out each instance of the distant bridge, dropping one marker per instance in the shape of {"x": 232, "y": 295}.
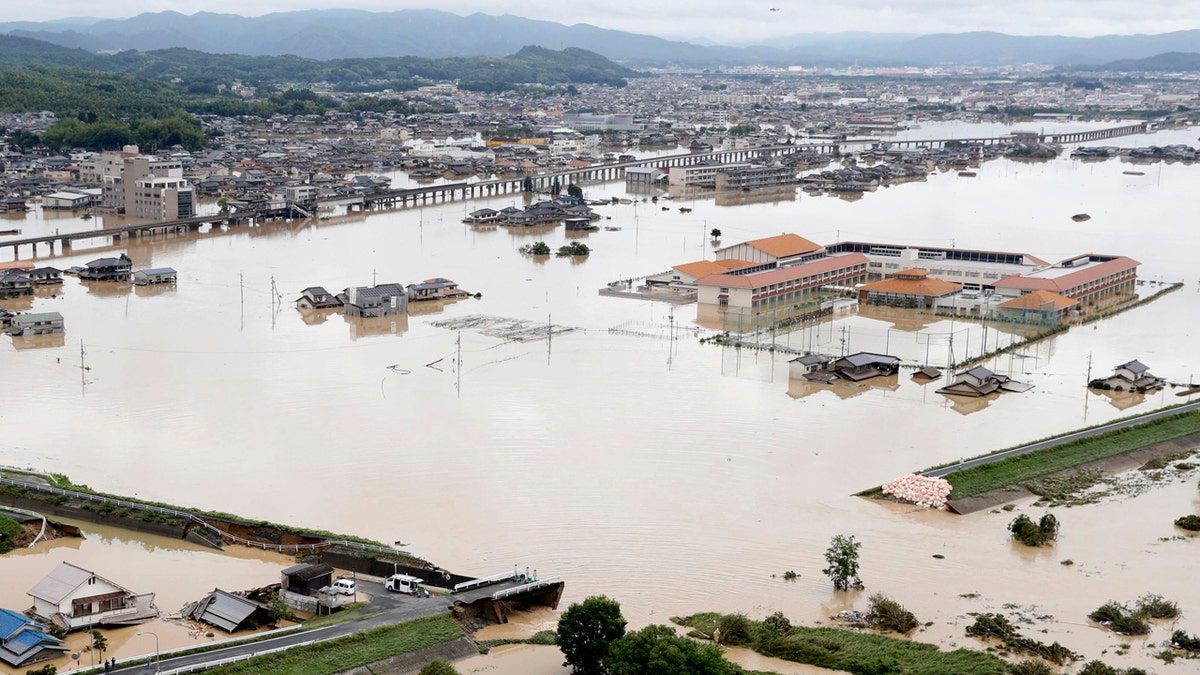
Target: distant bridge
{"x": 446, "y": 192}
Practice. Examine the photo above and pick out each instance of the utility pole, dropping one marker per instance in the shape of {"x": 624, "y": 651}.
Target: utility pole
{"x": 458, "y": 365}
{"x": 1089, "y": 372}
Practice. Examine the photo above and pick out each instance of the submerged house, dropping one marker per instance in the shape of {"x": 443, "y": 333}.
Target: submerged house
{"x": 980, "y": 381}
{"x": 29, "y": 323}
{"x": 435, "y": 289}
{"x": 14, "y": 282}
{"x": 45, "y": 276}
{"x": 1131, "y": 376}
{"x": 229, "y": 612}
{"x": 155, "y": 275}
{"x": 316, "y": 297}
{"x": 865, "y": 365}
{"x": 801, "y": 366}
{"x": 373, "y": 301}
{"x": 73, "y": 597}
{"x": 107, "y": 269}
{"x": 24, "y": 641}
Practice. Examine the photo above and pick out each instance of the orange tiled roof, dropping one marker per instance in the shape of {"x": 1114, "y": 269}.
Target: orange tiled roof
{"x": 1040, "y": 300}
{"x": 784, "y": 245}
{"x": 927, "y": 287}
{"x": 703, "y": 268}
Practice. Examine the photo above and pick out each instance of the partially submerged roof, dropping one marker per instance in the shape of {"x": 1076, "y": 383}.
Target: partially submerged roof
{"x": 308, "y": 571}
{"x": 1136, "y": 367}
{"x": 225, "y": 610}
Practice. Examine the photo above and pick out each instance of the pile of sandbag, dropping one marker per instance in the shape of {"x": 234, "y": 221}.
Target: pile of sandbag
{"x": 922, "y": 490}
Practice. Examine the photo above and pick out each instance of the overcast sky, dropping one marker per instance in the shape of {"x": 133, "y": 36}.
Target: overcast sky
{"x": 724, "y": 21}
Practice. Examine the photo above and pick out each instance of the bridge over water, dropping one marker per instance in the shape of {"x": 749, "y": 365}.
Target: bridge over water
{"x": 541, "y": 182}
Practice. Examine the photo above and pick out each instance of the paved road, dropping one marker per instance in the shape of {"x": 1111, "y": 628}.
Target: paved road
{"x": 396, "y": 608}
{"x": 988, "y": 459}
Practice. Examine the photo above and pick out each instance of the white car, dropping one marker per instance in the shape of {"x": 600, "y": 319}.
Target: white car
{"x": 343, "y": 587}
{"x": 403, "y": 583}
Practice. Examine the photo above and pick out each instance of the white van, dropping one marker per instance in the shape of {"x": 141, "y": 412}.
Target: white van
{"x": 403, "y": 583}
{"x": 344, "y": 587}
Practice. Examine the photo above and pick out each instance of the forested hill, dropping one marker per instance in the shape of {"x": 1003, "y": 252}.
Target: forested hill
{"x": 201, "y": 71}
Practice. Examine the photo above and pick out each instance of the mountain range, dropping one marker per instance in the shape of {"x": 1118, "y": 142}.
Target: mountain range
{"x": 330, "y": 34}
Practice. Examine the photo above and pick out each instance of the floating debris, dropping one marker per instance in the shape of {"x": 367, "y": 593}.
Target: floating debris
{"x": 1080, "y": 217}
{"x": 520, "y": 330}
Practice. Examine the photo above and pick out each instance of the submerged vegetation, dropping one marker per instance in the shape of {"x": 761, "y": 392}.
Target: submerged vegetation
{"x": 996, "y": 626}
{"x": 1029, "y": 533}
{"x": 851, "y": 651}
{"x": 1132, "y": 621}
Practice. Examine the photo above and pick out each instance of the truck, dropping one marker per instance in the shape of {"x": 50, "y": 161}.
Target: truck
{"x": 403, "y": 583}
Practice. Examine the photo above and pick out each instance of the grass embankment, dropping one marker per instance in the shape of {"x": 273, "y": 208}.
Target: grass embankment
{"x": 856, "y": 652}
{"x": 351, "y": 651}
{"x": 61, "y": 481}
{"x": 1005, "y": 473}
{"x": 11, "y": 532}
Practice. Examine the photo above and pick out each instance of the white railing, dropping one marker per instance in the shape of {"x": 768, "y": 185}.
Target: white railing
{"x": 524, "y": 588}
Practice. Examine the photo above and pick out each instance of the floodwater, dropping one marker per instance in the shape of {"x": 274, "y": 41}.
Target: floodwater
{"x": 671, "y": 475}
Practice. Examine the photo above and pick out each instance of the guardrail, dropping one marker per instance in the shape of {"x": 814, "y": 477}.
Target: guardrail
{"x": 186, "y": 516}
{"x": 232, "y": 659}
{"x": 532, "y": 586}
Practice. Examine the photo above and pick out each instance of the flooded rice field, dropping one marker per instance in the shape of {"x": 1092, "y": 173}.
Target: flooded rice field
{"x": 672, "y": 475}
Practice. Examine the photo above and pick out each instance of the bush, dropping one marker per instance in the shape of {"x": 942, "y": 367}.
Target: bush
{"x": 1189, "y": 523}
{"x": 1030, "y": 668}
{"x": 1120, "y": 620}
{"x": 1025, "y": 531}
{"x": 438, "y": 666}
{"x": 998, "y": 627}
{"x": 574, "y": 248}
{"x": 1100, "y": 668}
{"x": 1185, "y": 642}
{"x": 735, "y": 630}
{"x": 890, "y": 615}
{"x": 1154, "y": 606}
{"x": 544, "y": 637}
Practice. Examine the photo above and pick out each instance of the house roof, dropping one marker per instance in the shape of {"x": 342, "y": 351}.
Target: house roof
{"x": 774, "y": 276}
{"x": 108, "y": 262}
{"x": 1062, "y": 277}
{"x": 12, "y": 623}
{"x": 978, "y": 372}
{"x": 60, "y": 582}
{"x": 1041, "y": 300}
{"x": 157, "y": 271}
{"x": 703, "y": 268}
{"x": 1136, "y": 367}
{"x": 783, "y": 245}
{"x": 914, "y": 285}
{"x": 226, "y": 610}
{"x": 867, "y": 358}
{"x": 308, "y": 571}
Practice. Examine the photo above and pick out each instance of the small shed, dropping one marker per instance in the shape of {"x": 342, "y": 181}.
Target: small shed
{"x": 65, "y": 200}
{"x": 306, "y": 578}
{"x": 155, "y": 275}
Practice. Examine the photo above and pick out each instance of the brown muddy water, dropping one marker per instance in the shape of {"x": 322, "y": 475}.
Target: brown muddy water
{"x": 672, "y": 475}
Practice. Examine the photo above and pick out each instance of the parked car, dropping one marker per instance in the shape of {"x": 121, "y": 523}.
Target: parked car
{"x": 344, "y": 587}
{"x": 403, "y": 583}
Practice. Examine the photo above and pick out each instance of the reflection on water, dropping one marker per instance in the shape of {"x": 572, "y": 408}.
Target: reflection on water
{"x": 652, "y": 470}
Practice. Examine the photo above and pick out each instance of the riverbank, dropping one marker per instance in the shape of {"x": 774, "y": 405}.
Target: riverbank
{"x": 986, "y": 484}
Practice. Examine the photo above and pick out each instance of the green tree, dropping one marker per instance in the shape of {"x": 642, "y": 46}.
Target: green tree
{"x": 842, "y": 557}
{"x": 658, "y": 650}
{"x": 438, "y": 666}
{"x": 586, "y": 630}
{"x": 527, "y": 184}
{"x": 716, "y": 233}
{"x": 556, "y": 187}
{"x": 575, "y": 191}
{"x": 99, "y": 642}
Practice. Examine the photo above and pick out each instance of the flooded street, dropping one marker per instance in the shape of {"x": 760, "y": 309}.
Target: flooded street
{"x": 671, "y": 475}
